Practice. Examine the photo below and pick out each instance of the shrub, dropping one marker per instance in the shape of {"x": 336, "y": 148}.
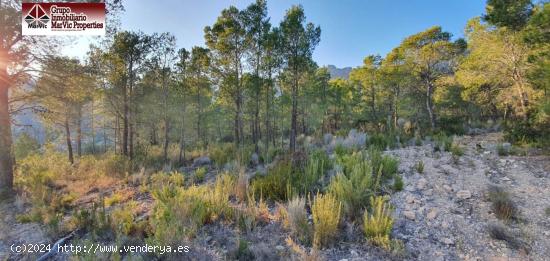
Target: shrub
{"x": 419, "y": 166}
{"x": 317, "y": 163}
{"x": 179, "y": 212}
{"x": 123, "y": 218}
{"x": 173, "y": 180}
{"x": 442, "y": 142}
{"x": 25, "y": 145}
{"x": 547, "y": 211}
{"x": 378, "y": 224}
{"x": 115, "y": 198}
{"x": 222, "y": 153}
{"x": 275, "y": 184}
{"x": 502, "y": 205}
{"x": 242, "y": 252}
{"x": 456, "y": 150}
{"x": 352, "y": 191}
{"x": 362, "y": 175}
{"x": 379, "y": 141}
{"x": 340, "y": 150}
{"x": 398, "y": 183}
{"x": 388, "y": 165}
{"x": 326, "y": 211}
{"x": 297, "y": 219}
{"x": 199, "y": 175}
{"x": 241, "y": 186}
{"x": 94, "y": 220}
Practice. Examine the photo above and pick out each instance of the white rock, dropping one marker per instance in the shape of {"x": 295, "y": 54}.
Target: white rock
{"x": 280, "y": 248}
{"x": 447, "y": 188}
{"x": 448, "y": 241}
{"x": 409, "y": 214}
{"x": 410, "y": 199}
{"x": 421, "y": 183}
{"x": 464, "y": 194}
{"x": 432, "y": 214}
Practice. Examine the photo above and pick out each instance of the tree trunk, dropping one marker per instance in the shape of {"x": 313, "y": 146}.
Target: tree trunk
{"x": 294, "y": 113}
{"x": 68, "y": 139}
{"x": 92, "y": 126}
{"x": 6, "y": 156}
{"x": 267, "y": 115}
{"x": 199, "y": 113}
{"x": 125, "y": 124}
{"x": 79, "y": 132}
{"x": 182, "y": 138}
{"x": 429, "y": 104}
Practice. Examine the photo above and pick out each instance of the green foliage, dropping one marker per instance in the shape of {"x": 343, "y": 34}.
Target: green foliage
{"x": 363, "y": 173}
{"x": 398, "y": 183}
{"x": 457, "y": 150}
{"x": 275, "y": 184}
{"x": 388, "y": 165}
{"x": 382, "y": 141}
{"x": 283, "y": 180}
{"x": 222, "y": 153}
{"x": 25, "y": 145}
{"x": 95, "y": 219}
{"x": 199, "y": 175}
{"x": 508, "y": 13}
{"x": 113, "y": 199}
{"x": 123, "y": 219}
{"x": 180, "y": 212}
{"x": 308, "y": 182}
{"x": 502, "y": 151}
{"x": 326, "y": 211}
{"x": 377, "y": 225}
{"x": 443, "y": 142}
{"x": 419, "y": 166}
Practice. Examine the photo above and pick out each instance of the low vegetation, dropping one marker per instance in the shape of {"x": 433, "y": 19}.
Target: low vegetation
{"x": 503, "y": 207}
{"x": 378, "y": 223}
{"x": 326, "y": 213}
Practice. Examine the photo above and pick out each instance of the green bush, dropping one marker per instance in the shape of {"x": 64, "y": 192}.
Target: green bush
{"x": 222, "y": 153}
{"x": 387, "y": 164}
{"x": 352, "y": 191}
{"x": 378, "y": 223}
{"x": 442, "y": 142}
{"x": 326, "y": 211}
{"x": 419, "y": 166}
{"x": 179, "y": 212}
{"x": 363, "y": 174}
{"x": 275, "y": 184}
{"x": 398, "y": 183}
{"x": 200, "y": 173}
{"x": 457, "y": 150}
{"x": 25, "y": 145}
{"x": 317, "y": 163}
{"x": 381, "y": 141}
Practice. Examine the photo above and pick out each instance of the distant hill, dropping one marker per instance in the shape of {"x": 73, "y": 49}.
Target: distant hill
{"x": 338, "y": 72}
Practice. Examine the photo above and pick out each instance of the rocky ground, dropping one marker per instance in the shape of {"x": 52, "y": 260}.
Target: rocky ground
{"x": 442, "y": 214}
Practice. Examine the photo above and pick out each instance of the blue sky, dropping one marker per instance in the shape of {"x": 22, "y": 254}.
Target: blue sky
{"x": 351, "y": 29}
